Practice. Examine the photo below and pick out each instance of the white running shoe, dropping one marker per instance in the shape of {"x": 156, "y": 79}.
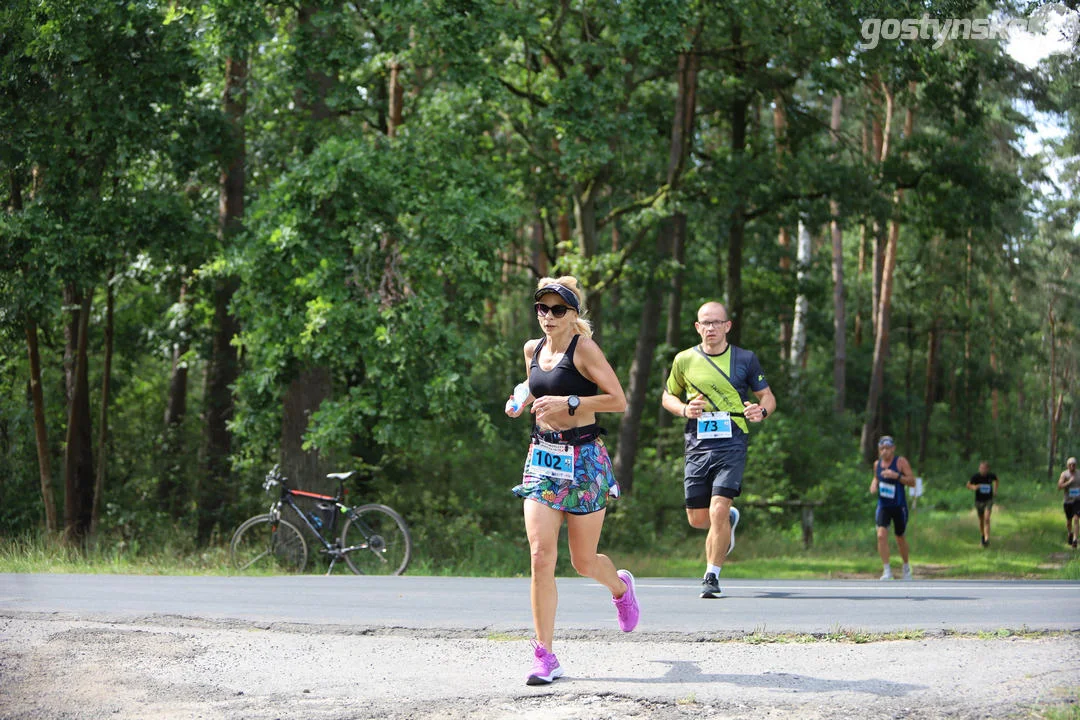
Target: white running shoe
{"x": 887, "y": 575}
{"x": 907, "y": 573}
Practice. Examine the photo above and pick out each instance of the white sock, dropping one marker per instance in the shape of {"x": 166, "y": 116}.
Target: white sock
{"x": 888, "y": 569}
{"x": 714, "y": 569}
{"x": 907, "y": 567}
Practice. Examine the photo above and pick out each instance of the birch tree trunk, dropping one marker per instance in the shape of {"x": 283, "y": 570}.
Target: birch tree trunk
{"x": 78, "y": 451}
{"x": 839, "y": 309}
{"x": 783, "y": 236}
{"x": 802, "y": 303}
{"x": 103, "y": 422}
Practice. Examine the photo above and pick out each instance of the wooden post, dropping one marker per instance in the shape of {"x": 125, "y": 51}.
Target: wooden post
{"x": 807, "y": 526}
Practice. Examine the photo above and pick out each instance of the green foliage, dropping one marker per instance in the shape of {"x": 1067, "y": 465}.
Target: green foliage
{"x": 535, "y": 138}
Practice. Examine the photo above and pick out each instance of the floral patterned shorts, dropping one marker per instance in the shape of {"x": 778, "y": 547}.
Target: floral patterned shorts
{"x": 587, "y": 492}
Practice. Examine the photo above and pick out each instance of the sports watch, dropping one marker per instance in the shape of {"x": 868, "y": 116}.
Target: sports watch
{"x": 573, "y": 402}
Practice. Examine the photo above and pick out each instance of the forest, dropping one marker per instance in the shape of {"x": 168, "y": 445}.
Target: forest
{"x": 239, "y": 233}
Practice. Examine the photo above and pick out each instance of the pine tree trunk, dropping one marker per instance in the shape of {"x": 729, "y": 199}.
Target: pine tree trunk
{"x": 932, "y": 352}
{"x": 585, "y": 227}
{"x": 674, "y": 314}
{"x": 171, "y": 491}
{"x": 640, "y": 369}
{"x": 40, "y": 428}
{"x": 881, "y": 334}
{"x": 737, "y": 219}
{"x": 994, "y": 414}
{"x": 682, "y": 132}
{"x": 1051, "y": 441}
{"x": 671, "y": 241}
{"x": 223, "y": 367}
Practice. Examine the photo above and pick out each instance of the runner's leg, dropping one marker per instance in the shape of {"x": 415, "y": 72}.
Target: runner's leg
{"x": 583, "y": 535}
{"x": 542, "y": 528}
{"x": 719, "y": 537}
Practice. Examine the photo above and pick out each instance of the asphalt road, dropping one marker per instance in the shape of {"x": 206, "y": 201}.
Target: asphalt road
{"x": 485, "y": 604}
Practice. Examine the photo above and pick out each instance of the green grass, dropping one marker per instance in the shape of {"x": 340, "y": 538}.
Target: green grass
{"x": 1024, "y": 543}
{"x": 1069, "y": 711}
{"x": 1027, "y": 541}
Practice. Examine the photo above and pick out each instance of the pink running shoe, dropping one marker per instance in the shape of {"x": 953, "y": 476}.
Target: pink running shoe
{"x": 627, "y": 605}
{"x": 545, "y": 666}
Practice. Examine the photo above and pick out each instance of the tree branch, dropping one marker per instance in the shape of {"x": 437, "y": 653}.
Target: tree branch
{"x": 524, "y": 94}
{"x": 636, "y": 205}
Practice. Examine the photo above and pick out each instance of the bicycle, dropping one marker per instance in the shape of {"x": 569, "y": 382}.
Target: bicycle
{"x": 374, "y": 539}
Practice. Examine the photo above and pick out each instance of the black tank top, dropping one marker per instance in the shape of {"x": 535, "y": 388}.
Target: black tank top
{"x": 563, "y": 379}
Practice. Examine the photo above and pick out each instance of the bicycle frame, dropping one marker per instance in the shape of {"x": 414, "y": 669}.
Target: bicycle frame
{"x": 332, "y": 547}
{"x": 286, "y": 498}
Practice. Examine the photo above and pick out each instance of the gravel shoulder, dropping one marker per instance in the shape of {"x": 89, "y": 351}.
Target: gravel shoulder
{"x": 56, "y": 665}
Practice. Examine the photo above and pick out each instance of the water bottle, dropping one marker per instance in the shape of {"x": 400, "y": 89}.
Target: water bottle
{"x": 315, "y": 520}
{"x": 521, "y": 393}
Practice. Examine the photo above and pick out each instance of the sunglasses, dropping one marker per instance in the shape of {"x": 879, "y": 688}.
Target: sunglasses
{"x": 556, "y": 310}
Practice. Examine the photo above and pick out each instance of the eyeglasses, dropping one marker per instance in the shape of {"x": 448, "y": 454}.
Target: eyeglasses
{"x": 556, "y": 310}
{"x": 710, "y": 324}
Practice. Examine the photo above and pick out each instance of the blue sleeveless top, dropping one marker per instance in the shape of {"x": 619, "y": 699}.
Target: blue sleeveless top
{"x": 891, "y": 493}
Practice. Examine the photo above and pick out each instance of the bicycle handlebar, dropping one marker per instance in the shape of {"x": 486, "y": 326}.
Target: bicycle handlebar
{"x": 272, "y": 478}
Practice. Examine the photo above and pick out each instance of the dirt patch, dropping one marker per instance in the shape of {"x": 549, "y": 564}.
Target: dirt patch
{"x": 54, "y": 668}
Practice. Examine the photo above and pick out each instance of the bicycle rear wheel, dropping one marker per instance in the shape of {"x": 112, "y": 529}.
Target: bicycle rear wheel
{"x": 376, "y": 541}
{"x": 262, "y": 544}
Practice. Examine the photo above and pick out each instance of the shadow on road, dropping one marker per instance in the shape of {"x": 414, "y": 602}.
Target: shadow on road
{"x": 681, "y": 671}
{"x": 891, "y": 598}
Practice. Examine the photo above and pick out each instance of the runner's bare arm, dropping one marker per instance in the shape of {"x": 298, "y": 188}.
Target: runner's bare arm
{"x": 590, "y": 360}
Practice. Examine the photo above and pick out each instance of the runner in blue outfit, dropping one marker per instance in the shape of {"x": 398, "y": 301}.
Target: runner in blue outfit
{"x": 891, "y": 475}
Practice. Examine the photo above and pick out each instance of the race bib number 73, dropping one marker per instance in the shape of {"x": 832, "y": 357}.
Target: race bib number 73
{"x": 714, "y": 425}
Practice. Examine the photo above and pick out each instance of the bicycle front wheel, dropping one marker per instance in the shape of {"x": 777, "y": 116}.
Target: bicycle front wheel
{"x": 262, "y": 544}
{"x": 376, "y": 541}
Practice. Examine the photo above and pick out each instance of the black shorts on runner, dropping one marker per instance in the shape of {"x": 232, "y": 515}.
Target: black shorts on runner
{"x": 1072, "y": 509}
{"x": 895, "y": 515}
{"x": 981, "y": 506}
{"x": 716, "y": 472}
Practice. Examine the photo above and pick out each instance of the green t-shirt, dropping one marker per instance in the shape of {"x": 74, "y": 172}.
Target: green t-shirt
{"x": 726, "y": 380}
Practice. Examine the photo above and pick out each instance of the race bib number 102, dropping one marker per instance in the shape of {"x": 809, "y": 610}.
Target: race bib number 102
{"x": 551, "y": 461}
